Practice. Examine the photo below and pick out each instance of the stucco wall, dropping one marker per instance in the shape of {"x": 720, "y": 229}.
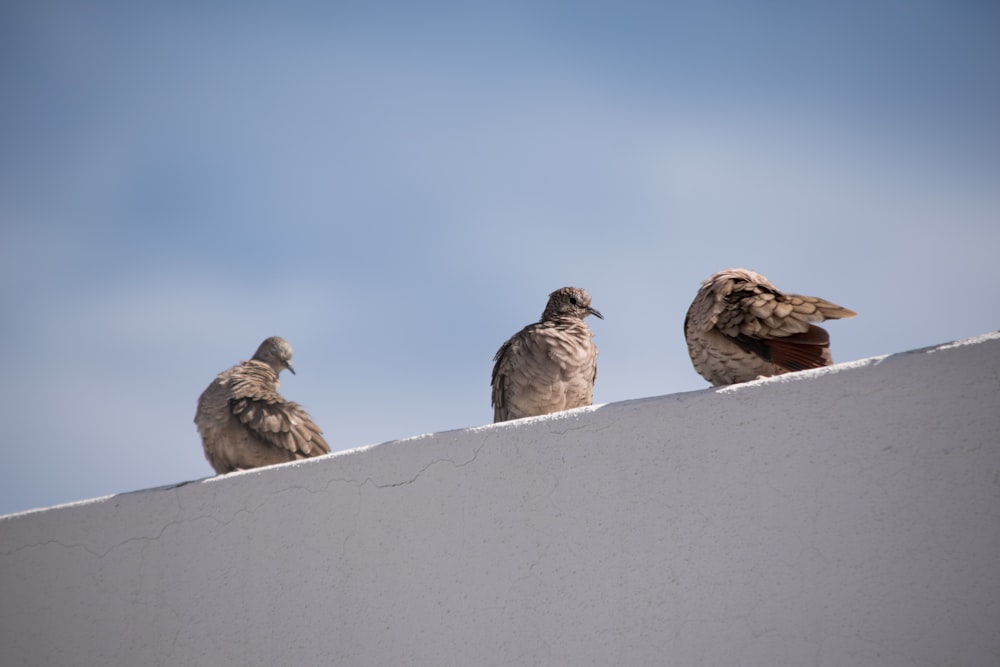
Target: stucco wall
{"x": 848, "y": 516}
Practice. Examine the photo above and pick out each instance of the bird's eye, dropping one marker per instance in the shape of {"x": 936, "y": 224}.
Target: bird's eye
{"x": 572, "y": 300}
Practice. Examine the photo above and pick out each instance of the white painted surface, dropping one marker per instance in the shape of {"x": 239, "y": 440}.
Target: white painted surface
{"x": 848, "y": 516}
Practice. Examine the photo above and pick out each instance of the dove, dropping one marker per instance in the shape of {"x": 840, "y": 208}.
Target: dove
{"x": 245, "y": 423}
{"x": 741, "y": 327}
{"x": 550, "y": 365}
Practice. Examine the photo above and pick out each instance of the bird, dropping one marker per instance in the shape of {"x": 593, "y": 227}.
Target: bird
{"x": 245, "y": 423}
{"x": 740, "y": 327}
{"x": 549, "y": 365}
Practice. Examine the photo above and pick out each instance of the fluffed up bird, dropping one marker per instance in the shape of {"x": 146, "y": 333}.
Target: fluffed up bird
{"x": 550, "y": 365}
{"x": 741, "y": 327}
{"x": 245, "y": 423}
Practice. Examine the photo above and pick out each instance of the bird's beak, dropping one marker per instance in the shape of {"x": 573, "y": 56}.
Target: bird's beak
{"x": 595, "y": 312}
{"x": 289, "y": 367}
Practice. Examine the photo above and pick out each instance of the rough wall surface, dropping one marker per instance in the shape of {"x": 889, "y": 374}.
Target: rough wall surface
{"x": 847, "y": 516}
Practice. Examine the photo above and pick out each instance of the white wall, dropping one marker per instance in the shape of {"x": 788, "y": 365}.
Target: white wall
{"x": 848, "y": 516}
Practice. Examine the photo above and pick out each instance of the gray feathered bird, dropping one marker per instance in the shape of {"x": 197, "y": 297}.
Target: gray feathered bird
{"x": 245, "y": 423}
{"x": 741, "y": 327}
{"x": 550, "y": 365}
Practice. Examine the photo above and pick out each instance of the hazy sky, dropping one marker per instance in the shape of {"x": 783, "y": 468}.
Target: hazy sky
{"x": 395, "y": 189}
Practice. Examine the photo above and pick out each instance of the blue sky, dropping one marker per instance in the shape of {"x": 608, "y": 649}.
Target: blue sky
{"x": 395, "y": 190}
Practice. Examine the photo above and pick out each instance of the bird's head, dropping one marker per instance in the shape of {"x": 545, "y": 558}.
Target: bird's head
{"x": 569, "y": 302}
{"x": 276, "y": 353}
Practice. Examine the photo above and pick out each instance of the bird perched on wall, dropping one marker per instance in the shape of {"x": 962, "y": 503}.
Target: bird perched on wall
{"x": 245, "y": 423}
{"x": 550, "y": 365}
{"x": 741, "y": 327}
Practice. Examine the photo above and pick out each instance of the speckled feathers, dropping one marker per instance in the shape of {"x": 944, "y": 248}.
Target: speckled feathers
{"x": 550, "y": 365}
{"x": 245, "y": 423}
{"x": 741, "y": 327}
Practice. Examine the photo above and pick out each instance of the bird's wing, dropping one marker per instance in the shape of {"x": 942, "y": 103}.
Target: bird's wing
{"x": 260, "y": 408}
{"x": 504, "y": 361}
{"x": 766, "y": 322}
{"x": 778, "y": 327}
{"x": 795, "y": 352}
